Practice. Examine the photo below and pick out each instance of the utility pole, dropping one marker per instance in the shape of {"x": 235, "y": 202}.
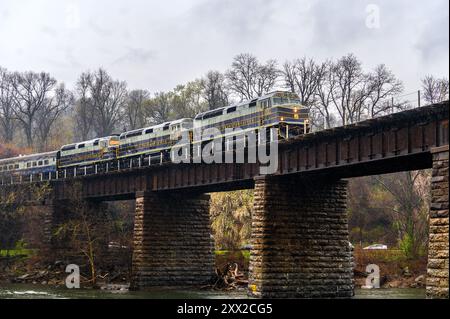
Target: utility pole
{"x": 392, "y": 104}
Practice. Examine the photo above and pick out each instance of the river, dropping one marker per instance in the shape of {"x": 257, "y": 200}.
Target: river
{"x": 23, "y": 291}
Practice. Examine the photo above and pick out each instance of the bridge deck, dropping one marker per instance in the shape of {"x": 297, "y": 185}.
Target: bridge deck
{"x": 397, "y": 142}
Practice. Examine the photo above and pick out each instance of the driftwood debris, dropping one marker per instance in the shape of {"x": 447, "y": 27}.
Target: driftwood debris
{"x": 229, "y": 277}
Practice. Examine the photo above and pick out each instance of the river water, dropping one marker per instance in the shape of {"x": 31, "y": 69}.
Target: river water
{"x": 22, "y": 291}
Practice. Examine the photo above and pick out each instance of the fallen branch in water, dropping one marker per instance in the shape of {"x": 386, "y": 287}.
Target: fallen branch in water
{"x": 228, "y": 278}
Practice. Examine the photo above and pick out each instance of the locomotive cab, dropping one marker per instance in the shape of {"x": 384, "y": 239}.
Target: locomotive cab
{"x": 284, "y": 111}
{"x": 177, "y": 128}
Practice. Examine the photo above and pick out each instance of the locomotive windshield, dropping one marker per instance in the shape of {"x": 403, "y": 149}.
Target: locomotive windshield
{"x": 285, "y": 98}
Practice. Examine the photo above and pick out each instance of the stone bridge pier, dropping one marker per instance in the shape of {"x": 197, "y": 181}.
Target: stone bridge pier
{"x": 173, "y": 245}
{"x": 438, "y": 244}
{"x": 300, "y": 244}
{"x": 54, "y": 214}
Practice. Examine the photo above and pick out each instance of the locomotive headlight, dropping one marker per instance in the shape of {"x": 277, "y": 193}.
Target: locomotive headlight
{"x": 296, "y": 116}
{"x": 282, "y": 118}
{"x": 295, "y": 109}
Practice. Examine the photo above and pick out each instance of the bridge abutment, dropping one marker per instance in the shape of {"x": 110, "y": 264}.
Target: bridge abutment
{"x": 438, "y": 244}
{"x": 172, "y": 240}
{"x": 300, "y": 244}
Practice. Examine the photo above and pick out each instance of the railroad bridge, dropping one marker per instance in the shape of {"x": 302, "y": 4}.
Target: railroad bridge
{"x": 300, "y": 244}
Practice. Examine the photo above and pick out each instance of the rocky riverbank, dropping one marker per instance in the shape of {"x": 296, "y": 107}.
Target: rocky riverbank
{"x": 19, "y": 270}
{"x": 393, "y": 281}
{"x": 396, "y": 271}
{"x": 232, "y": 270}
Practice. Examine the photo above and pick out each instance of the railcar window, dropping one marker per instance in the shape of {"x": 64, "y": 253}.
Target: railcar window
{"x": 279, "y": 101}
{"x": 16, "y": 166}
{"x": 252, "y": 103}
{"x": 46, "y": 162}
{"x": 166, "y": 127}
{"x": 81, "y": 146}
{"x": 10, "y": 167}
{"x": 134, "y": 134}
{"x": 68, "y": 148}
{"x": 149, "y": 131}
{"x": 34, "y": 164}
{"x": 213, "y": 114}
{"x": 40, "y": 163}
{"x": 264, "y": 103}
{"x": 29, "y": 164}
{"x": 295, "y": 101}
{"x": 231, "y": 109}
{"x": 96, "y": 142}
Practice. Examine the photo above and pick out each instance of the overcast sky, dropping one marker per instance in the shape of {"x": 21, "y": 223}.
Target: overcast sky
{"x": 158, "y": 44}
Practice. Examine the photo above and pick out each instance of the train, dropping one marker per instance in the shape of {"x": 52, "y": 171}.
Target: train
{"x": 145, "y": 146}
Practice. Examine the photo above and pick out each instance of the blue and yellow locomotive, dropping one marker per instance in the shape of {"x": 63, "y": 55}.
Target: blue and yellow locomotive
{"x": 280, "y": 110}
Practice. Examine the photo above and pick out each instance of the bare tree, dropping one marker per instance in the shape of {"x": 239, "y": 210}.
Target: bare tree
{"x": 410, "y": 199}
{"x": 108, "y": 98}
{"x": 341, "y": 88}
{"x": 267, "y": 76}
{"x": 52, "y": 109}
{"x": 303, "y": 77}
{"x": 324, "y": 94}
{"x": 188, "y": 100}
{"x": 84, "y": 110}
{"x": 383, "y": 85}
{"x": 85, "y": 230}
{"x": 350, "y": 88}
{"x": 30, "y": 97}
{"x": 248, "y": 79}
{"x": 435, "y": 90}
{"x": 241, "y": 76}
{"x": 135, "y": 109}
{"x": 159, "y": 109}
{"x": 214, "y": 90}
{"x": 7, "y": 121}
